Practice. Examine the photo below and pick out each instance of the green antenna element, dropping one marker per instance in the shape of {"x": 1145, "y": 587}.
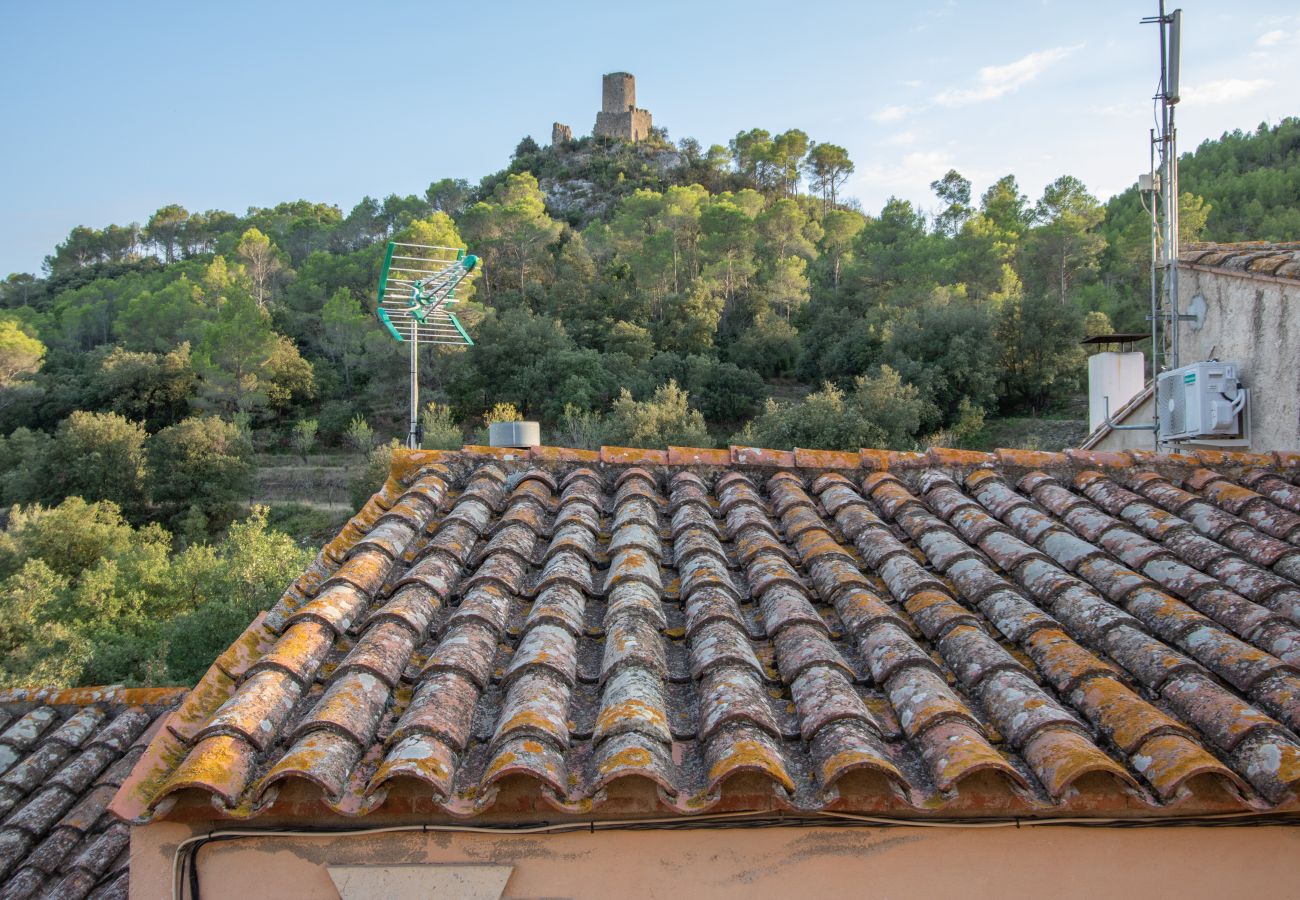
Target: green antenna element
{"x": 417, "y": 287}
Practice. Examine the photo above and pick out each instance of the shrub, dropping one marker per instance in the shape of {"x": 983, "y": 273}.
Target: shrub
{"x": 440, "y": 429}
{"x": 664, "y": 419}
{"x": 881, "y": 411}
{"x": 304, "y": 436}
{"x": 360, "y": 436}
{"x": 97, "y": 456}
{"x": 201, "y": 462}
{"x": 370, "y": 477}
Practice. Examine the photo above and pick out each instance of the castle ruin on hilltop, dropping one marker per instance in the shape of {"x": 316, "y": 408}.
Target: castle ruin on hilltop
{"x": 618, "y": 117}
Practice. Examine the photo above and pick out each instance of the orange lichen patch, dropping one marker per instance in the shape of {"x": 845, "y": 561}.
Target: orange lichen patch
{"x": 160, "y": 758}
{"x": 826, "y": 459}
{"x": 419, "y": 756}
{"x": 1152, "y": 459}
{"x": 875, "y": 479}
{"x": 85, "y": 696}
{"x": 1060, "y": 756}
{"x": 344, "y": 540}
{"x": 922, "y": 602}
{"x": 1126, "y": 718}
{"x": 1030, "y": 459}
{"x": 631, "y": 714}
{"x": 876, "y": 460}
{"x": 817, "y": 542}
{"x": 955, "y": 751}
{"x": 979, "y": 476}
{"x": 527, "y": 757}
{"x": 1211, "y": 457}
{"x": 1199, "y": 478}
{"x": 846, "y": 761}
{"x": 406, "y": 463}
{"x": 1287, "y": 459}
{"x": 246, "y": 649}
{"x": 1062, "y": 660}
{"x": 750, "y": 756}
{"x": 1169, "y": 760}
{"x": 505, "y": 454}
{"x": 905, "y": 459}
{"x": 946, "y": 456}
{"x": 213, "y": 689}
{"x": 697, "y": 456}
{"x": 562, "y": 454}
{"x": 221, "y": 764}
{"x": 627, "y": 758}
{"x": 1231, "y": 497}
{"x": 757, "y": 456}
{"x": 1239, "y": 458}
{"x": 633, "y": 456}
{"x": 1106, "y": 459}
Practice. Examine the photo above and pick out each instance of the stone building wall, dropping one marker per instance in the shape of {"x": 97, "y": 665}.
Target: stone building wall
{"x": 633, "y": 125}
{"x": 1252, "y": 319}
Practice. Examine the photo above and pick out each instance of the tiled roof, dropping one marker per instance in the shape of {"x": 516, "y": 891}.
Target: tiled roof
{"x": 1279, "y": 260}
{"x": 63, "y": 754}
{"x": 504, "y": 634}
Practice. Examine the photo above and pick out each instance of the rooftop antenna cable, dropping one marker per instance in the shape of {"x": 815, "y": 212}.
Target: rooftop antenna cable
{"x": 417, "y": 286}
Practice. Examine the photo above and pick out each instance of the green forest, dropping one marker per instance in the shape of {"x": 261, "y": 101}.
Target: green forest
{"x": 631, "y": 294}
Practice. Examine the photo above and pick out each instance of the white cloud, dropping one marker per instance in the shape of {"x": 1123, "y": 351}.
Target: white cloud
{"x": 1225, "y": 90}
{"x": 1271, "y": 38}
{"x": 891, "y": 114}
{"x": 911, "y": 83}
{"x": 1123, "y": 110}
{"x": 992, "y": 82}
{"x": 910, "y": 175}
{"x": 899, "y": 139}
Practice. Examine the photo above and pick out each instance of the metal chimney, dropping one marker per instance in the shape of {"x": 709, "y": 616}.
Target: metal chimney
{"x": 514, "y": 434}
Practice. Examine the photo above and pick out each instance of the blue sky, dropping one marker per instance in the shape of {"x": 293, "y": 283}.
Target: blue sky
{"x": 113, "y": 110}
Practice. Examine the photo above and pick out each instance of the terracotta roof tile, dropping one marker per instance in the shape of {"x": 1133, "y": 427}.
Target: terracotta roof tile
{"x": 1092, "y": 635}
{"x": 69, "y": 752}
{"x": 1252, "y": 257}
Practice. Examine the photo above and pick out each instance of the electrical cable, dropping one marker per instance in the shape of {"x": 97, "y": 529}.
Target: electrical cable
{"x": 185, "y": 856}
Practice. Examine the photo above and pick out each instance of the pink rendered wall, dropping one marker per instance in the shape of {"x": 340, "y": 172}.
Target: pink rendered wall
{"x": 1056, "y": 862}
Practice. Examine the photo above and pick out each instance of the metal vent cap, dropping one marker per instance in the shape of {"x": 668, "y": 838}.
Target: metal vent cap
{"x": 514, "y": 434}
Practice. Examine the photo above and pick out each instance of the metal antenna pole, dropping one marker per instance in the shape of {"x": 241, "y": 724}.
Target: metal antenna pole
{"x": 413, "y": 434}
{"x": 1157, "y": 332}
{"x": 1165, "y": 316}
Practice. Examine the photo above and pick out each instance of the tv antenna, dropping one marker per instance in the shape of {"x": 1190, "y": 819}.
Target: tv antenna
{"x": 417, "y": 285}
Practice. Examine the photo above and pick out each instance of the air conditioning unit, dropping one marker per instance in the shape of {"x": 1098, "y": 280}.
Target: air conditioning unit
{"x": 1203, "y": 400}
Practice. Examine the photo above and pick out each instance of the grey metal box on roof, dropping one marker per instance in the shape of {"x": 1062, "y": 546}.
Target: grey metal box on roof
{"x": 514, "y": 434}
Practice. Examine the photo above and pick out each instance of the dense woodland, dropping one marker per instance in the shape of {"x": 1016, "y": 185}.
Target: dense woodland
{"x": 641, "y": 295}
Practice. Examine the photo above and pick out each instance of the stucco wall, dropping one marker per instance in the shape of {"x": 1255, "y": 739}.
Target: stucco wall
{"x": 1254, "y": 322}
{"x": 792, "y": 863}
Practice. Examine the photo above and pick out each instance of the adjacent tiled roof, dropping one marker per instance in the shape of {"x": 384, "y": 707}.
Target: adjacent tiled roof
{"x": 63, "y": 754}
{"x": 1280, "y": 260}
{"x": 508, "y": 633}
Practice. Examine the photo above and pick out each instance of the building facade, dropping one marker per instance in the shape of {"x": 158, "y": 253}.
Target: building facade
{"x": 1250, "y": 293}
{"x": 863, "y": 671}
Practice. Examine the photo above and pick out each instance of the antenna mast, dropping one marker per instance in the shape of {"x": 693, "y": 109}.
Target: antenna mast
{"x": 416, "y": 286}
{"x": 1164, "y": 207}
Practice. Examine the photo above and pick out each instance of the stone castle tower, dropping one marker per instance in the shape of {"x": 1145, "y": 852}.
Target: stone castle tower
{"x": 619, "y": 116}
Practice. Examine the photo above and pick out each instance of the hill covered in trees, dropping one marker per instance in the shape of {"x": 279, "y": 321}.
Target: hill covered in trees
{"x": 639, "y": 294}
